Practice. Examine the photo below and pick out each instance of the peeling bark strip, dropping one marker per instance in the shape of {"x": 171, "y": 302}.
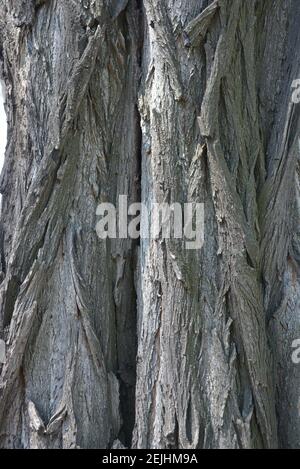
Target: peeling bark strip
{"x": 115, "y": 343}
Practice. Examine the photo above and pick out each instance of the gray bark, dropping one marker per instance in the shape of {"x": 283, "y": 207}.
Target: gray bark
{"x": 144, "y": 343}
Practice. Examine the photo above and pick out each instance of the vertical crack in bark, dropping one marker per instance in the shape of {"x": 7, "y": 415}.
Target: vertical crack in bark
{"x": 127, "y": 377}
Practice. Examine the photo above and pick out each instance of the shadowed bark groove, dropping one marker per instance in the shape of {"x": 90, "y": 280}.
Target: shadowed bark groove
{"x": 162, "y": 101}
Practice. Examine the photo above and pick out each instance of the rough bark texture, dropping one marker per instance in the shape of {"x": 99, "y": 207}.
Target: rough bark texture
{"x": 146, "y": 343}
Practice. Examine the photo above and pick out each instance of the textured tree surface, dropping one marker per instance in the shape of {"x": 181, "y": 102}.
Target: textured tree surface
{"x": 144, "y": 343}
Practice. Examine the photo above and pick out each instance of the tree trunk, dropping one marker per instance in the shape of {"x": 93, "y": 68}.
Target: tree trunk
{"x": 145, "y": 342}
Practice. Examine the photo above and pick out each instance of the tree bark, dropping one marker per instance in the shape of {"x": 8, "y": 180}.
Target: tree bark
{"x": 145, "y": 343}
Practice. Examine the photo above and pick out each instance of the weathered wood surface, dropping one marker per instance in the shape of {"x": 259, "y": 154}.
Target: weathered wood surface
{"x": 146, "y": 343}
